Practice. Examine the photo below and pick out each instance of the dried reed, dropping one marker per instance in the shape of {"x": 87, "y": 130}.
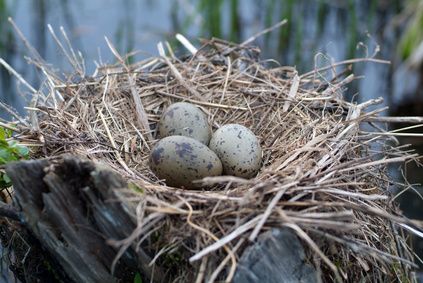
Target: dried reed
{"x": 322, "y": 175}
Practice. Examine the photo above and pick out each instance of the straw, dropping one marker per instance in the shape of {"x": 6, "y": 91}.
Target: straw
{"x": 319, "y": 177}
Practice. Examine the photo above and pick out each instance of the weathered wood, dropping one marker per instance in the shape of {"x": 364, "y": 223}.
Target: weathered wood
{"x": 277, "y": 257}
{"x": 23, "y": 257}
{"x": 9, "y": 211}
{"x": 70, "y": 206}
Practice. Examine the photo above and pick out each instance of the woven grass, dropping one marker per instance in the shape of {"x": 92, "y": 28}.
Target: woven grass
{"x": 323, "y": 174}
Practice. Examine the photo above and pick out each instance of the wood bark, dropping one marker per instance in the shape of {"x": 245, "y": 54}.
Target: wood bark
{"x": 71, "y": 207}
{"x": 277, "y": 257}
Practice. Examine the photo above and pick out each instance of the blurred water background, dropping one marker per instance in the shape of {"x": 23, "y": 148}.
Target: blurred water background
{"x": 318, "y": 33}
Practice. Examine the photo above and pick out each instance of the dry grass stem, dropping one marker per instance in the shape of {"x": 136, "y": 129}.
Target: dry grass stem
{"x": 323, "y": 175}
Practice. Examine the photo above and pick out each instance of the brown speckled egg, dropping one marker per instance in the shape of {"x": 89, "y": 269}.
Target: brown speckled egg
{"x": 238, "y": 149}
{"x": 180, "y": 160}
{"x": 185, "y": 119}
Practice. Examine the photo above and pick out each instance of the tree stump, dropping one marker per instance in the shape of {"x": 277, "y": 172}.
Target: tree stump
{"x": 277, "y": 257}
{"x": 71, "y": 207}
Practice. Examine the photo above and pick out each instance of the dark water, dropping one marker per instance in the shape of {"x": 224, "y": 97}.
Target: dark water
{"x": 319, "y": 32}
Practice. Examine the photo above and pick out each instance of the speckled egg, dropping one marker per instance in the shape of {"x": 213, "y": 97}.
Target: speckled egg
{"x": 185, "y": 119}
{"x": 180, "y": 160}
{"x": 238, "y": 149}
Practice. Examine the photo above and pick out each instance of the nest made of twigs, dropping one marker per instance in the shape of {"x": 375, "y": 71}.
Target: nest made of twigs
{"x": 322, "y": 175}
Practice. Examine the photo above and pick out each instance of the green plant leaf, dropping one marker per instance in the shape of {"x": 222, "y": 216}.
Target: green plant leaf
{"x": 2, "y": 134}
{"x": 6, "y": 178}
{"x": 5, "y": 181}
{"x": 6, "y": 155}
{"x": 412, "y": 36}
{"x": 11, "y": 150}
{"x": 3, "y": 185}
{"x": 22, "y": 150}
{"x": 137, "y": 278}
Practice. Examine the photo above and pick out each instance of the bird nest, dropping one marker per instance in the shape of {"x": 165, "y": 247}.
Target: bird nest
{"x": 323, "y": 174}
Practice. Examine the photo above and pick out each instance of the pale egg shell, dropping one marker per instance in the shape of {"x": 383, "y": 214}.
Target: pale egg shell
{"x": 238, "y": 149}
{"x": 180, "y": 160}
{"x": 185, "y": 119}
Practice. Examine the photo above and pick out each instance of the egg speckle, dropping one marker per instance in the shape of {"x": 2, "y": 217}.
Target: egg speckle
{"x": 180, "y": 160}
{"x": 184, "y": 119}
{"x": 238, "y": 149}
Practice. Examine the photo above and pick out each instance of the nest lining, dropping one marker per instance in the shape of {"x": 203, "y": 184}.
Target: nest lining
{"x": 321, "y": 175}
